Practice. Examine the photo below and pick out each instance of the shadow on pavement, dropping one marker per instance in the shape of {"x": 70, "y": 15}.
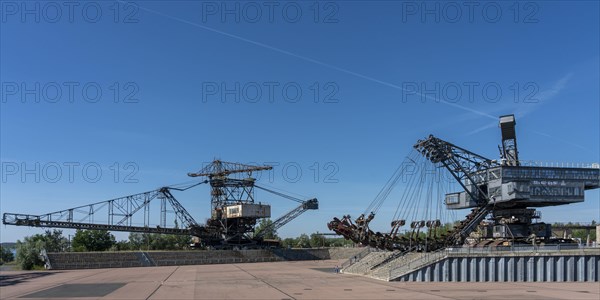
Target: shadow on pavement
{"x": 12, "y": 279}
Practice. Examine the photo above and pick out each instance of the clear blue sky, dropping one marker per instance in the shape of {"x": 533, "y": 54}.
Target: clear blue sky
{"x": 387, "y": 73}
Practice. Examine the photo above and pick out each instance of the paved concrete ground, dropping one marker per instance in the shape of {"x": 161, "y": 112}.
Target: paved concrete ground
{"x": 279, "y": 280}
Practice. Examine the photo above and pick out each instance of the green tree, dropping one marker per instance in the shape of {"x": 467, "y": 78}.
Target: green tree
{"x": 268, "y": 231}
{"x": 121, "y": 246}
{"x": 28, "y": 251}
{"x": 317, "y": 240}
{"x": 92, "y": 240}
{"x": 583, "y": 234}
{"x": 179, "y": 242}
{"x": 289, "y": 242}
{"x": 54, "y": 241}
{"x": 154, "y": 241}
{"x": 303, "y": 241}
{"x": 136, "y": 240}
{"x": 338, "y": 242}
{"x": 6, "y": 255}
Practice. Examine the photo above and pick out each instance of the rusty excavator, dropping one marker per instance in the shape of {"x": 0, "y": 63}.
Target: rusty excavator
{"x": 502, "y": 195}
{"x": 234, "y": 210}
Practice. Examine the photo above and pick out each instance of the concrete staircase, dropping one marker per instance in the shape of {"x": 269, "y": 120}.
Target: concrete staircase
{"x": 380, "y": 264}
{"x": 383, "y": 271}
{"x": 145, "y": 259}
{"x": 364, "y": 265}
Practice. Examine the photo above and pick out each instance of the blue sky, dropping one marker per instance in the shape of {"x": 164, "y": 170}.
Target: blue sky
{"x": 387, "y": 74}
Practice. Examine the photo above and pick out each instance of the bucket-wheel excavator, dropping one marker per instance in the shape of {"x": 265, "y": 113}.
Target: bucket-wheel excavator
{"x": 234, "y": 210}
{"x": 502, "y": 194}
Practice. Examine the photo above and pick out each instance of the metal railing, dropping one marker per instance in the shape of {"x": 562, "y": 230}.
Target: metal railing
{"x": 523, "y": 249}
{"x": 356, "y": 258}
{"x": 531, "y": 163}
{"x": 425, "y": 259}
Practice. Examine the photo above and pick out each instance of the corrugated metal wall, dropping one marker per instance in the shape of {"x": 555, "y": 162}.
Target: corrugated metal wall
{"x": 532, "y": 268}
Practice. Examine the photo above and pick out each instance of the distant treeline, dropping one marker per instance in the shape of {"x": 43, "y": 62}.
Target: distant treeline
{"x": 577, "y": 233}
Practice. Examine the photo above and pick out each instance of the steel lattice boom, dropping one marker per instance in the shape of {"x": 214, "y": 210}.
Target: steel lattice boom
{"x": 131, "y": 213}
{"x": 281, "y": 221}
{"x": 465, "y": 166}
{"x": 220, "y": 168}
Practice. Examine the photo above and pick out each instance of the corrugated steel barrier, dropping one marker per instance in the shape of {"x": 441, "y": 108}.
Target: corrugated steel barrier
{"x": 524, "y": 266}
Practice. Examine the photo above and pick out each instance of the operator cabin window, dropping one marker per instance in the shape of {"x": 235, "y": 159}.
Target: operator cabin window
{"x": 452, "y": 199}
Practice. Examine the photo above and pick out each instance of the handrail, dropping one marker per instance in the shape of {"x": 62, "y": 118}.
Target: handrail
{"x": 394, "y": 256}
{"x": 356, "y": 258}
{"x": 531, "y": 163}
{"x": 416, "y": 263}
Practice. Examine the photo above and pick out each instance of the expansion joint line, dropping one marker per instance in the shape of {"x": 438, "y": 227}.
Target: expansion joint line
{"x": 161, "y": 283}
{"x": 291, "y": 297}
